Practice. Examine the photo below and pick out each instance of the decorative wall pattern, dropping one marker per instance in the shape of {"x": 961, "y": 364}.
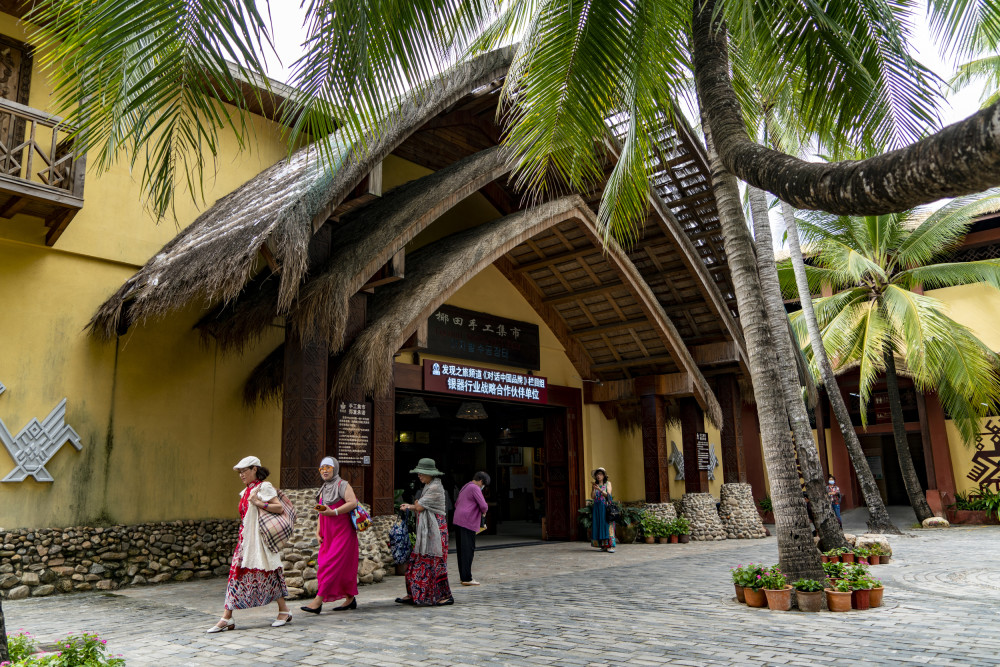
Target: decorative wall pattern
{"x": 37, "y": 443}
{"x": 986, "y": 461}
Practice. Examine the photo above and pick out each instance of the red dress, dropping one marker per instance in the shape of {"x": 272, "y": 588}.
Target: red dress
{"x": 426, "y": 575}
{"x": 337, "y": 562}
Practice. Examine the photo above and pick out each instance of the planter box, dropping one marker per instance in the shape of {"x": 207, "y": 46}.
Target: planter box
{"x": 971, "y": 518}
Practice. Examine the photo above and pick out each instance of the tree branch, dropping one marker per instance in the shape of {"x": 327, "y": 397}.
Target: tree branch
{"x": 961, "y": 159}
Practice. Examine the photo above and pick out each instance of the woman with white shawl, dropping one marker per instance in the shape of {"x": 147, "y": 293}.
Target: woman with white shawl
{"x": 427, "y": 571}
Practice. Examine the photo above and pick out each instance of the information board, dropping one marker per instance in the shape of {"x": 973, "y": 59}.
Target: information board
{"x": 354, "y": 433}
{"x": 469, "y": 334}
{"x": 704, "y": 452}
{"x": 485, "y": 382}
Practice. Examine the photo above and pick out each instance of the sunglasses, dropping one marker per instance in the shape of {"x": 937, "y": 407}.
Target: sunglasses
{"x": 322, "y": 468}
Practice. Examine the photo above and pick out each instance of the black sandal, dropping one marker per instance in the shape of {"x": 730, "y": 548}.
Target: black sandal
{"x": 404, "y": 600}
{"x": 445, "y": 603}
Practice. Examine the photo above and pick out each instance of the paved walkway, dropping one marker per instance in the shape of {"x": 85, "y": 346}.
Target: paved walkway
{"x": 566, "y": 604}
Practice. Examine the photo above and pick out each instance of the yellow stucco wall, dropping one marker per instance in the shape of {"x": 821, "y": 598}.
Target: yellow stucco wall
{"x": 159, "y": 414}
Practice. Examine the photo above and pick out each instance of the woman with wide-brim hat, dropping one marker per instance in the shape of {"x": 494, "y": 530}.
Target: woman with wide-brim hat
{"x": 256, "y": 577}
{"x": 602, "y": 531}
{"x": 427, "y": 571}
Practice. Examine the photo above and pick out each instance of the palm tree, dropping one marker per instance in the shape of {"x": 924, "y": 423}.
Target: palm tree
{"x": 875, "y": 317}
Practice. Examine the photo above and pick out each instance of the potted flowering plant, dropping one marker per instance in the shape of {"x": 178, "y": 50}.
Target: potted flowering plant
{"x": 647, "y": 524}
{"x": 860, "y": 582}
{"x": 808, "y": 594}
{"x": 753, "y": 589}
{"x": 846, "y": 555}
{"x": 740, "y": 579}
{"x": 876, "y": 554}
{"x": 834, "y": 572}
{"x": 861, "y": 555}
{"x": 663, "y": 531}
{"x": 831, "y": 556}
{"x": 776, "y": 589}
{"x": 838, "y": 597}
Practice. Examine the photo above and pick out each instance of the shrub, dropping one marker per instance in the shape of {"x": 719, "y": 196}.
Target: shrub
{"x": 765, "y": 504}
{"x": 773, "y": 579}
{"x": 84, "y": 650}
{"x": 683, "y": 525}
{"x": 807, "y": 585}
{"x": 834, "y": 570}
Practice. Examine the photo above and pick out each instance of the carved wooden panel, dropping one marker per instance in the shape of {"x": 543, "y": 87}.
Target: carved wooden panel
{"x": 733, "y": 460}
{"x": 303, "y": 419}
{"x": 384, "y": 463}
{"x": 557, "y": 515}
{"x": 655, "y": 457}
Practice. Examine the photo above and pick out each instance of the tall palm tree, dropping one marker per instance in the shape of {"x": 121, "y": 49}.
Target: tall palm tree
{"x": 875, "y": 263}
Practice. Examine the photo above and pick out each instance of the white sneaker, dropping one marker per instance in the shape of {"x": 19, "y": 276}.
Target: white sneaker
{"x": 472, "y": 582}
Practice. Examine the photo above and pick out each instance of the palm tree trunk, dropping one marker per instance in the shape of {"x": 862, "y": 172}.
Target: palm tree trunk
{"x": 797, "y": 553}
{"x": 961, "y": 159}
{"x": 918, "y": 499}
{"x": 831, "y": 535}
{"x": 878, "y": 516}
{"x": 4, "y": 654}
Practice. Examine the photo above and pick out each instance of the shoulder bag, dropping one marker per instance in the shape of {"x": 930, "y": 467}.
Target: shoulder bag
{"x": 277, "y": 529}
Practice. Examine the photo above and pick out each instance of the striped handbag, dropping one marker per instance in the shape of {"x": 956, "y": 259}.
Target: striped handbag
{"x": 277, "y": 529}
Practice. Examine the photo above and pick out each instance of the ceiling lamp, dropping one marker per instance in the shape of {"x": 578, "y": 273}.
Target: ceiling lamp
{"x": 412, "y": 405}
{"x": 472, "y": 438}
{"x": 471, "y": 410}
{"x": 431, "y": 414}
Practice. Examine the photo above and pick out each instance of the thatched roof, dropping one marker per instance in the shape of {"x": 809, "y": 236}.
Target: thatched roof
{"x": 213, "y": 258}
{"x": 365, "y": 241}
{"x": 438, "y": 270}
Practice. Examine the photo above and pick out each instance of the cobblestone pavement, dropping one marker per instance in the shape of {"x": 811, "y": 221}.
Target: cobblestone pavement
{"x": 566, "y": 604}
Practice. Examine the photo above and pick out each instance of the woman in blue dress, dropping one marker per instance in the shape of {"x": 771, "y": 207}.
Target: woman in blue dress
{"x": 602, "y": 533}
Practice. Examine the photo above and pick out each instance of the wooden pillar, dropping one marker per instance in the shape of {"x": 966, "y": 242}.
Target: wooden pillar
{"x": 820, "y": 413}
{"x": 384, "y": 459}
{"x": 692, "y": 422}
{"x": 944, "y": 474}
{"x": 734, "y": 469}
{"x": 753, "y": 454}
{"x": 840, "y": 465}
{"x": 359, "y": 477}
{"x": 303, "y": 413}
{"x": 655, "y": 456}
{"x": 925, "y": 439}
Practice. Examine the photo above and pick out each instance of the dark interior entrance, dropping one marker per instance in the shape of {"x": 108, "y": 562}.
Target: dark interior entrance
{"x": 880, "y": 450}
{"x": 509, "y": 444}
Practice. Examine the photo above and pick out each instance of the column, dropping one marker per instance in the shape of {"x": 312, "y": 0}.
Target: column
{"x": 692, "y": 422}
{"x": 654, "y": 449}
{"x": 303, "y": 412}
{"x": 733, "y": 461}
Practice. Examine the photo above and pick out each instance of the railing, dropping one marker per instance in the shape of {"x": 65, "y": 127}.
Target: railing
{"x": 36, "y": 149}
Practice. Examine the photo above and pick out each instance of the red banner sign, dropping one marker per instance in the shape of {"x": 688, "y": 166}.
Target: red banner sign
{"x": 450, "y": 378}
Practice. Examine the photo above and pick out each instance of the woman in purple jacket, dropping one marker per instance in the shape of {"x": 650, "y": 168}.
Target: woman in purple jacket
{"x": 470, "y": 509}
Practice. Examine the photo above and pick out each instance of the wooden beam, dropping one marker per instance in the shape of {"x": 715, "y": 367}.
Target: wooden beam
{"x": 392, "y": 271}
{"x": 265, "y": 251}
{"x": 641, "y": 361}
{"x": 710, "y": 354}
{"x": 558, "y": 258}
{"x": 583, "y": 293}
{"x": 58, "y": 225}
{"x": 13, "y": 205}
{"x": 611, "y": 326}
{"x": 667, "y": 385}
{"x": 417, "y": 341}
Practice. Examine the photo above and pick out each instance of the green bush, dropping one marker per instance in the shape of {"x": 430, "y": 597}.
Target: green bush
{"x": 807, "y": 585}
{"x": 983, "y": 500}
{"x": 682, "y": 525}
{"x": 772, "y": 579}
{"x": 765, "y": 504}
{"x": 84, "y": 650}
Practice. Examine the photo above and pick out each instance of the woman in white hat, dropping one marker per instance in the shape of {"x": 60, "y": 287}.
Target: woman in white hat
{"x": 602, "y": 531}
{"x": 337, "y": 561}
{"x": 255, "y": 575}
{"x": 427, "y": 571}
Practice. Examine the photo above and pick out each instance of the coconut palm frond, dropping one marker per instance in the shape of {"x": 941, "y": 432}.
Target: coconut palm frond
{"x": 951, "y": 274}
{"x": 945, "y": 228}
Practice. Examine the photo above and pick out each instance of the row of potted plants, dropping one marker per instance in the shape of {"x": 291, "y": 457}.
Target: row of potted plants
{"x": 866, "y": 555}
{"x": 758, "y": 585}
{"x": 655, "y": 529}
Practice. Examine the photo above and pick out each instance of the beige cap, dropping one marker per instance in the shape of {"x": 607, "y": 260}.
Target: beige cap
{"x": 247, "y": 462}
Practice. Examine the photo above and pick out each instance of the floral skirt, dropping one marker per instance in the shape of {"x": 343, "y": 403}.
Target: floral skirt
{"x": 427, "y": 576}
{"x": 254, "y": 588}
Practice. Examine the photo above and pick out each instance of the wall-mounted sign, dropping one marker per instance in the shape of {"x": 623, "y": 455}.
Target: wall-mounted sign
{"x": 354, "y": 433}
{"x": 875, "y": 464}
{"x": 704, "y": 451}
{"x": 485, "y": 382}
{"x": 468, "y": 334}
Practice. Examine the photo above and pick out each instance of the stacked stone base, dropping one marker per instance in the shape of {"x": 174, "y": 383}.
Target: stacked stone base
{"x": 662, "y": 511}
{"x": 738, "y": 513}
{"x": 700, "y": 510}
{"x": 44, "y": 562}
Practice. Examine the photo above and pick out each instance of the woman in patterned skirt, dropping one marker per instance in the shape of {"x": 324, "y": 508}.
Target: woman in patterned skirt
{"x": 427, "y": 571}
{"x": 255, "y": 575}
{"x": 602, "y": 531}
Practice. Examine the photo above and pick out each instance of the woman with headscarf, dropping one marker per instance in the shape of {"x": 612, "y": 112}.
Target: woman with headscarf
{"x": 427, "y": 571}
{"x": 255, "y": 575}
{"x": 337, "y": 562}
{"x": 602, "y": 531}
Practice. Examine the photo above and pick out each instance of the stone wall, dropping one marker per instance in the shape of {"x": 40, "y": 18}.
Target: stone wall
{"x": 46, "y": 561}
{"x": 700, "y": 510}
{"x": 83, "y": 558}
{"x": 662, "y": 511}
{"x": 738, "y": 512}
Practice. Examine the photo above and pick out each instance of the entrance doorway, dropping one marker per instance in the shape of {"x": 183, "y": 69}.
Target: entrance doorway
{"x": 509, "y": 444}
{"x": 880, "y": 450}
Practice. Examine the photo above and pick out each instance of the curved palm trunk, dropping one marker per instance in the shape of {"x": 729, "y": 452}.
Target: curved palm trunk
{"x": 961, "y": 159}
{"x": 910, "y": 480}
{"x": 4, "y": 655}
{"x": 797, "y": 554}
{"x": 831, "y": 535}
{"x": 878, "y": 516}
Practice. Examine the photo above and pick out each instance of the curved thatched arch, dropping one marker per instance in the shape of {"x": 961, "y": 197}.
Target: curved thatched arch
{"x": 364, "y": 242}
{"x": 436, "y": 272}
{"x": 212, "y": 259}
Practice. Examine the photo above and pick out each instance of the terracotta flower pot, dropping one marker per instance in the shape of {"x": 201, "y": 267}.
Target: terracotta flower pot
{"x": 873, "y": 560}
{"x": 650, "y": 539}
{"x": 684, "y": 539}
{"x": 663, "y": 540}
{"x": 846, "y": 558}
{"x": 755, "y": 597}
{"x": 825, "y": 558}
{"x": 861, "y": 599}
{"x": 673, "y": 539}
{"x": 807, "y": 601}
{"x": 837, "y": 601}
{"x": 739, "y": 594}
{"x": 780, "y": 599}
{"x": 875, "y": 596}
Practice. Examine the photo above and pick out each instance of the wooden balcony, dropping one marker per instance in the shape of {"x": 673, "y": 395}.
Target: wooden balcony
{"x": 40, "y": 174}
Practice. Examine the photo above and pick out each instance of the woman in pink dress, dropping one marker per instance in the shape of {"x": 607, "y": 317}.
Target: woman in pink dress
{"x": 337, "y": 563}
